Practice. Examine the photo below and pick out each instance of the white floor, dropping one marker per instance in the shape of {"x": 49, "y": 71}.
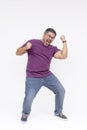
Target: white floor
{"x": 41, "y": 118}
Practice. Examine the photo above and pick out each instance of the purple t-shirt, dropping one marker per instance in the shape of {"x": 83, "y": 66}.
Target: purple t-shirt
{"x": 39, "y": 59}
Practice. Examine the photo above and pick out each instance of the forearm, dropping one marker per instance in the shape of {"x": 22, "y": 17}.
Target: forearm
{"x": 24, "y": 49}
{"x": 21, "y": 50}
{"x": 65, "y": 50}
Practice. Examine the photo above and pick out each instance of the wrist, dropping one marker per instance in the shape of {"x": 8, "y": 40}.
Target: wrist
{"x": 64, "y": 41}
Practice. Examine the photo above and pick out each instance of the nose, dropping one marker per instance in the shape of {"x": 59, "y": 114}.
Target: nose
{"x": 50, "y": 38}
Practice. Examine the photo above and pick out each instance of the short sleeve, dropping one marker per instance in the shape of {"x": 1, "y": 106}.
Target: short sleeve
{"x": 29, "y": 50}
{"x": 25, "y": 44}
{"x": 55, "y": 50}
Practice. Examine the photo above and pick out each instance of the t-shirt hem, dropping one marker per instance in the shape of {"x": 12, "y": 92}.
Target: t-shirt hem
{"x": 36, "y": 76}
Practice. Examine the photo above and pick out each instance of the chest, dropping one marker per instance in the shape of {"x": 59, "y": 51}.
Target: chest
{"x": 42, "y": 51}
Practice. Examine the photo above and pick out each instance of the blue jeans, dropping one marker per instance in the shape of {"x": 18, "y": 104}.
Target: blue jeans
{"x": 33, "y": 85}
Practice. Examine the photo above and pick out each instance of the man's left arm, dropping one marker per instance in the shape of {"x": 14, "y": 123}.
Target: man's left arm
{"x": 62, "y": 54}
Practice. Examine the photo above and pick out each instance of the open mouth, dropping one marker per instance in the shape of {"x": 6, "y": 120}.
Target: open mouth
{"x": 48, "y": 41}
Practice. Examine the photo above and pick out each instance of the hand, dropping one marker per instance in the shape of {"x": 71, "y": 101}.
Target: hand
{"x": 62, "y": 38}
{"x": 28, "y": 46}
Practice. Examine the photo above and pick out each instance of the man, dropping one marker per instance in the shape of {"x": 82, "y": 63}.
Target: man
{"x": 38, "y": 74}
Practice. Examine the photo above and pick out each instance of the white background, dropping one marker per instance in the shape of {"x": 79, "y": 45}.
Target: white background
{"x": 21, "y": 20}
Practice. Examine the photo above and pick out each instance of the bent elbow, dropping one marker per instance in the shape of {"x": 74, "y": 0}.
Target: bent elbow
{"x": 17, "y": 53}
{"x": 65, "y": 56}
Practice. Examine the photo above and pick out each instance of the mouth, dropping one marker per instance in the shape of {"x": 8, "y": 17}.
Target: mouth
{"x": 48, "y": 42}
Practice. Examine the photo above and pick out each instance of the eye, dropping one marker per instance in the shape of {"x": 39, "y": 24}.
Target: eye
{"x": 51, "y": 37}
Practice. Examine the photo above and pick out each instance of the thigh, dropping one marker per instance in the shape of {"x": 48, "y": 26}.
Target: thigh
{"x": 53, "y": 83}
{"x": 32, "y": 86}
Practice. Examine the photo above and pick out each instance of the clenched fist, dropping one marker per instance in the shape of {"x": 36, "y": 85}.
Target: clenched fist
{"x": 62, "y": 37}
{"x": 28, "y": 46}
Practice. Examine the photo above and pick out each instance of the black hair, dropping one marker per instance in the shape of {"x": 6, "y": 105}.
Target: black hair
{"x": 50, "y": 30}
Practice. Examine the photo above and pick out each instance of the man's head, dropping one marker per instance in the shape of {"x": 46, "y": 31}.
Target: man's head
{"x": 48, "y": 36}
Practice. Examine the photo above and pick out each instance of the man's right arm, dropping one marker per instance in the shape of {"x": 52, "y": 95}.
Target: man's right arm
{"x": 22, "y": 50}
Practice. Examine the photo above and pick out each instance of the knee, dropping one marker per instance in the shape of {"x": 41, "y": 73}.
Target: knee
{"x": 29, "y": 98}
{"x": 61, "y": 91}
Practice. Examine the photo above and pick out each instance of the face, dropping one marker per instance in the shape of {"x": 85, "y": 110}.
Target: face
{"x": 48, "y": 38}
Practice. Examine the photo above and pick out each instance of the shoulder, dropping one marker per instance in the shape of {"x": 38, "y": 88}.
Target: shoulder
{"x": 34, "y": 40}
{"x": 53, "y": 47}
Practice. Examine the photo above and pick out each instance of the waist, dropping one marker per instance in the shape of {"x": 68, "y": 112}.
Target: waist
{"x": 38, "y": 74}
